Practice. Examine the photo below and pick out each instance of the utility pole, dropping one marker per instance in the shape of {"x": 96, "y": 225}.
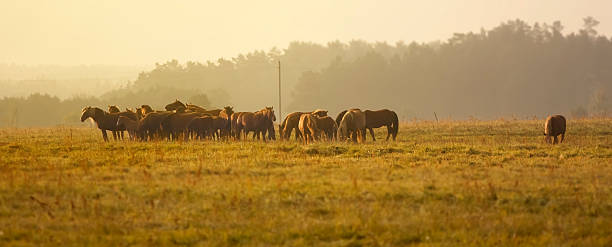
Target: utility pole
{"x": 280, "y": 112}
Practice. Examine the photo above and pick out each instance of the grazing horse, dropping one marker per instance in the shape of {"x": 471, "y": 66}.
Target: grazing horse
{"x": 104, "y": 120}
{"x": 175, "y": 105}
{"x": 309, "y": 128}
{"x": 554, "y": 126}
{"x": 201, "y": 126}
{"x": 128, "y": 124}
{"x": 328, "y": 126}
{"x": 380, "y": 118}
{"x": 353, "y": 125}
{"x": 259, "y": 122}
{"x": 291, "y": 122}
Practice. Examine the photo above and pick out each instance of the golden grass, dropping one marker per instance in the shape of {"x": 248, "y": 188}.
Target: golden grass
{"x": 467, "y": 183}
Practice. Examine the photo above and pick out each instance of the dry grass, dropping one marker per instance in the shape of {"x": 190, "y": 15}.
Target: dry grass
{"x": 471, "y": 183}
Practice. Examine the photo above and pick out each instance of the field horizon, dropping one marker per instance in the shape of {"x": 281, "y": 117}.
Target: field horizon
{"x": 468, "y": 183}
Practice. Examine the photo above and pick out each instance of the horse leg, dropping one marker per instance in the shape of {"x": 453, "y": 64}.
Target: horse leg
{"x": 556, "y": 140}
{"x": 562, "y": 136}
{"x": 104, "y": 136}
{"x": 114, "y": 135}
{"x": 389, "y": 130}
{"x": 372, "y": 133}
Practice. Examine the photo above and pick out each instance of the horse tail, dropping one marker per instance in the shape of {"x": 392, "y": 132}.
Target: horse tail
{"x": 281, "y": 127}
{"x": 394, "y": 124}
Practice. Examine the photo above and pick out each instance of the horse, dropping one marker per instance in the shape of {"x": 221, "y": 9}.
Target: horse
{"x": 353, "y": 125}
{"x": 259, "y": 122}
{"x": 201, "y": 126}
{"x": 226, "y": 113}
{"x": 554, "y": 126}
{"x": 328, "y": 126}
{"x": 175, "y": 105}
{"x": 380, "y": 118}
{"x": 308, "y": 127}
{"x": 219, "y": 126}
{"x": 129, "y": 124}
{"x": 234, "y": 124}
{"x": 104, "y": 120}
{"x": 150, "y": 124}
{"x": 113, "y": 109}
{"x": 176, "y": 123}
{"x": 291, "y": 122}
{"x": 194, "y": 108}
{"x": 341, "y": 114}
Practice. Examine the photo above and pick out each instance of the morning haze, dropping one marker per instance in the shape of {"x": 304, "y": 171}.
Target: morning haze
{"x": 145, "y": 32}
{"x": 483, "y": 59}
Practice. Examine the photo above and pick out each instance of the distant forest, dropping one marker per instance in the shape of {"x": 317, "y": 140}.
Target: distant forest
{"x": 513, "y": 70}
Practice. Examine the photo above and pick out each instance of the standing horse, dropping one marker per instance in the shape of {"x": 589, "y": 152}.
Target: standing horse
{"x": 259, "y": 122}
{"x": 380, "y": 118}
{"x": 176, "y": 124}
{"x": 226, "y": 113}
{"x": 104, "y": 120}
{"x": 150, "y": 125}
{"x": 175, "y": 105}
{"x": 554, "y": 126}
{"x": 353, "y": 125}
{"x": 128, "y": 124}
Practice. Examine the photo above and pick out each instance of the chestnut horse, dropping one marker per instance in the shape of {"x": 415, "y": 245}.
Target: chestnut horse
{"x": 104, "y": 120}
{"x": 291, "y": 122}
{"x": 353, "y": 125}
{"x": 554, "y": 126}
{"x": 259, "y": 122}
{"x": 128, "y": 124}
{"x": 309, "y": 128}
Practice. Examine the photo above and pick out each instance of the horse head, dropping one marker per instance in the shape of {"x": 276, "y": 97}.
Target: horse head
{"x": 174, "y": 105}
{"x": 270, "y": 113}
{"x": 113, "y": 109}
{"x": 86, "y": 113}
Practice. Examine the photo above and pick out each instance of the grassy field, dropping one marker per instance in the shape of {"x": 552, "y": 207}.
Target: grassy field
{"x": 456, "y": 183}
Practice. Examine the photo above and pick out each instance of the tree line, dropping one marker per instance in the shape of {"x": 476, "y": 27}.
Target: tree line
{"x": 514, "y": 69}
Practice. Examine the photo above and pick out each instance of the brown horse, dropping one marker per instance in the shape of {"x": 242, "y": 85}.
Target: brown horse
{"x": 234, "y": 124}
{"x": 291, "y": 122}
{"x": 150, "y": 125}
{"x": 194, "y": 108}
{"x": 113, "y": 109}
{"x": 104, "y": 120}
{"x": 353, "y": 125}
{"x": 554, "y": 126}
{"x": 380, "y": 118}
{"x": 128, "y": 124}
{"x": 328, "y": 126}
{"x": 226, "y": 113}
{"x": 341, "y": 114}
{"x": 175, "y": 105}
{"x": 176, "y": 124}
{"x": 201, "y": 126}
{"x": 219, "y": 126}
{"x": 309, "y": 128}
{"x": 259, "y": 122}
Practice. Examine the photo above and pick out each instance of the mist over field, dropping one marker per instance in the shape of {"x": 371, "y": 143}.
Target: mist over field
{"x": 484, "y": 60}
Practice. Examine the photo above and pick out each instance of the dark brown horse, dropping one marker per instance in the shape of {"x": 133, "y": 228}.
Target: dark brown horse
{"x": 150, "y": 125}
{"x": 380, "y": 118}
{"x": 554, "y": 126}
{"x": 175, "y": 105}
{"x": 201, "y": 126}
{"x": 226, "y": 113}
{"x": 328, "y": 126}
{"x": 104, "y": 120}
{"x": 113, "y": 109}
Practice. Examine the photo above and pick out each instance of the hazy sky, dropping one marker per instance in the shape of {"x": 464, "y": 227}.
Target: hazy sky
{"x": 129, "y": 32}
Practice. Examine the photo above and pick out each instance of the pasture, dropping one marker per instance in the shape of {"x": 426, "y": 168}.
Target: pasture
{"x": 467, "y": 183}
